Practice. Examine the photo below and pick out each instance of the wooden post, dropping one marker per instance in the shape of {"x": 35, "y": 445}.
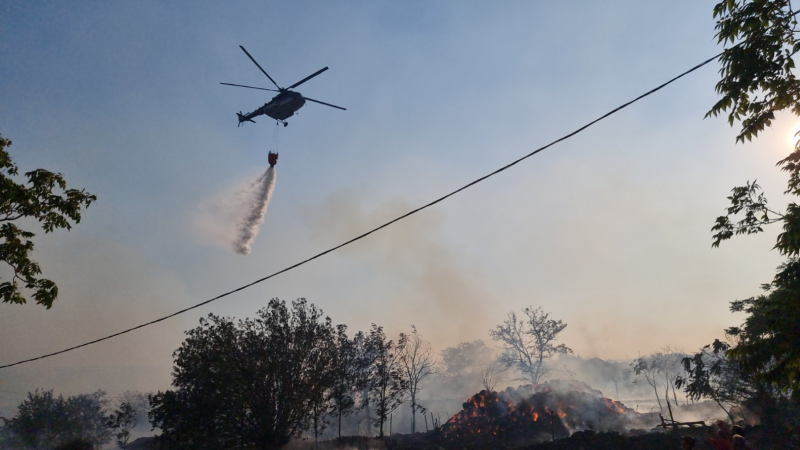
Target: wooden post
{"x": 433, "y": 421}
{"x": 426, "y": 422}
{"x": 390, "y": 424}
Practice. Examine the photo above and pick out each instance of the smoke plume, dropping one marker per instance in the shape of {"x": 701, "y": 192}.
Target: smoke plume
{"x": 261, "y": 190}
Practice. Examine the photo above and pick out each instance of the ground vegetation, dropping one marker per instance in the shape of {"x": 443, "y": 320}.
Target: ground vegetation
{"x": 46, "y": 421}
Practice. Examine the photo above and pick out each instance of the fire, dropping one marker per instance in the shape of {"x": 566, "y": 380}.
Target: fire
{"x": 557, "y": 407}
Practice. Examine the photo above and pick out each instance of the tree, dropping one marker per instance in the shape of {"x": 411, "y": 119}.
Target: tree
{"x": 492, "y": 374}
{"x": 348, "y": 372}
{"x": 670, "y": 362}
{"x": 139, "y": 403}
{"x": 767, "y": 342}
{"x": 320, "y": 378}
{"x": 46, "y": 421}
{"x": 463, "y": 366}
{"x": 528, "y": 344}
{"x": 123, "y": 420}
{"x": 711, "y": 374}
{"x": 252, "y": 382}
{"x": 386, "y": 382}
{"x": 660, "y": 369}
{"x": 465, "y": 359}
{"x": 365, "y": 351}
{"x": 416, "y": 363}
{"x": 46, "y": 200}
{"x": 758, "y": 81}
{"x": 649, "y": 368}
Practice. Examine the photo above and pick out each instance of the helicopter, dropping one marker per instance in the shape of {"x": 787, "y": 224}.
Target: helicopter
{"x": 283, "y": 105}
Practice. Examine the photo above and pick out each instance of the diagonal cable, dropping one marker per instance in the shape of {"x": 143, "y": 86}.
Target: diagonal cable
{"x": 359, "y": 237}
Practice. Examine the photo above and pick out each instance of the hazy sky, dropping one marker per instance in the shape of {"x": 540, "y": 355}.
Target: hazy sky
{"x": 609, "y": 231}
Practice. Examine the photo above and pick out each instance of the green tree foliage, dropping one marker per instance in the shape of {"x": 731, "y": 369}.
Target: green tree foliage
{"x": 529, "y": 343}
{"x": 757, "y": 78}
{"x": 758, "y": 81}
{"x": 761, "y": 367}
{"x": 45, "y": 199}
{"x": 44, "y": 421}
{"x": 710, "y": 373}
{"x": 769, "y": 339}
{"x": 123, "y": 420}
{"x": 249, "y": 383}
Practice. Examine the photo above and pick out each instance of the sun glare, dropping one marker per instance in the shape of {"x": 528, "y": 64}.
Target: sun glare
{"x": 794, "y": 137}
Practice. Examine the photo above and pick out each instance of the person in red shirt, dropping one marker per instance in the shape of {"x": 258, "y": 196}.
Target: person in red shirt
{"x": 720, "y": 442}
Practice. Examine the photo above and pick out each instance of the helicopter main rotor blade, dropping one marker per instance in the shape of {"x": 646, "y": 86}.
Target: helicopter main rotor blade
{"x": 307, "y": 78}
{"x": 259, "y": 66}
{"x": 251, "y": 87}
{"x": 323, "y": 103}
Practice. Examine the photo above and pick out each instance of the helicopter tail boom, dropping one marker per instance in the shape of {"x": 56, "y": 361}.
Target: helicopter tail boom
{"x": 243, "y": 118}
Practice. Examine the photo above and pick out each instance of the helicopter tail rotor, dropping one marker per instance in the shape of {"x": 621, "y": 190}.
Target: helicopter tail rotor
{"x": 243, "y": 118}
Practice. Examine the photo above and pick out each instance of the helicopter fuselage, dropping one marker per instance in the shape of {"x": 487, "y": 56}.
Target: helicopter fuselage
{"x": 281, "y": 107}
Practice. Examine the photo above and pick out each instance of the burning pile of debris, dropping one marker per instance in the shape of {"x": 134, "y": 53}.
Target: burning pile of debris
{"x": 549, "y": 410}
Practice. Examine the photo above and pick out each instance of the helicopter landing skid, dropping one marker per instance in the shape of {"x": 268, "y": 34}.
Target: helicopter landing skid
{"x": 285, "y": 123}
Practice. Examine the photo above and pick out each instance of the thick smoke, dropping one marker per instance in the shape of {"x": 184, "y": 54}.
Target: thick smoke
{"x": 262, "y": 190}
{"x": 429, "y": 273}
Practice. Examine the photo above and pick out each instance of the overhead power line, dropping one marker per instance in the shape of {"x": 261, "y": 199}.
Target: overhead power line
{"x": 359, "y": 237}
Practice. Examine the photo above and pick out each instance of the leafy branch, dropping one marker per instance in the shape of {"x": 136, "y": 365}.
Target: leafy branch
{"x": 750, "y": 201}
{"x": 757, "y": 78}
{"x": 46, "y": 199}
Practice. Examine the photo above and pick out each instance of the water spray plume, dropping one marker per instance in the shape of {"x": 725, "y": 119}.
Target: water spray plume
{"x": 263, "y": 188}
